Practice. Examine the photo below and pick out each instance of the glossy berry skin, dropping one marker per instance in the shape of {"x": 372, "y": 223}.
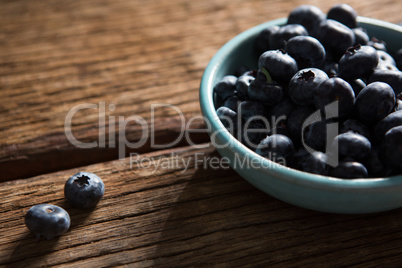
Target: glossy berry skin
{"x": 392, "y": 146}
{"x": 84, "y": 190}
{"x": 262, "y": 42}
{"x": 357, "y": 85}
{"x": 392, "y": 120}
{"x": 306, "y": 50}
{"x": 303, "y": 84}
{"x": 264, "y": 91}
{"x": 343, "y": 13}
{"x": 226, "y": 87}
{"x": 47, "y": 220}
{"x": 335, "y": 37}
{"x": 242, "y": 84}
{"x": 252, "y": 109}
{"x": 377, "y": 44}
{"x": 361, "y": 36}
{"x": 315, "y": 135}
{"x": 349, "y": 170}
{"x": 315, "y": 162}
{"x": 280, "y": 65}
{"x": 296, "y": 119}
{"x": 232, "y": 102}
{"x": 335, "y": 89}
{"x": 229, "y": 118}
{"x": 358, "y": 62}
{"x": 278, "y": 39}
{"x": 352, "y": 146}
{"x": 391, "y": 77}
{"x": 307, "y": 15}
{"x": 280, "y": 112}
{"x": 374, "y": 102}
{"x": 277, "y": 148}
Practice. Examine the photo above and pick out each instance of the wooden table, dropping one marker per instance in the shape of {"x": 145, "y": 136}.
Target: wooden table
{"x": 115, "y": 59}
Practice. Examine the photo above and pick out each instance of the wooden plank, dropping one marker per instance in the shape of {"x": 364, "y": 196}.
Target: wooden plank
{"x": 172, "y": 216}
{"x": 130, "y": 54}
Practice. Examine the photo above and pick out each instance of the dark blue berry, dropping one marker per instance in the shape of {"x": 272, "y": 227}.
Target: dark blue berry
{"x": 391, "y": 77}
{"x": 375, "y": 164}
{"x": 226, "y": 87}
{"x": 228, "y": 118}
{"x": 232, "y": 103}
{"x": 330, "y": 67}
{"x": 263, "y": 89}
{"x": 315, "y": 135}
{"x": 315, "y": 162}
{"x": 303, "y": 84}
{"x": 343, "y": 13}
{"x": 357, "y": 85}
{"x": 392, "y": 146}
{"x": 277, "y": 148}
{"x": 262, "y": 42}
{"x": 84, "y": 190}
{"x": 47, "y": 220}
{"x": 361, "y": 36}
{"x": 355, "y": 126}
{"x": 252, "y": 110}
{"x": 352, "y": 146}
{"x": 281, "y": 111}
{"x": 349, "y": 170}
{"x": 306, "y": 50}
{"x": 280, "y": 65}
{"x": 278, "y": 39}
{"x": 377, "y": 44}
{"x": 296, "y": 120}
{"x": 358, "y": 62}
{"x": 253, "y": 132}
{"x": 307, "y": 15}
{"x": 335, "y": 91}
{"x": 374, "y": 102}
{"x": 392, "y": 120}
{"x": 242, "y": 84}
{"x": 336, "y": 38}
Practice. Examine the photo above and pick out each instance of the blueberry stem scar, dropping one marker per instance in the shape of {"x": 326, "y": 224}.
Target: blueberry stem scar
{"x": 81, "y": 181}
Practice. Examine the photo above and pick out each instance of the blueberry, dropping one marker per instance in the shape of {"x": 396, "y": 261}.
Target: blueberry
{"x": 281, "y": 111}
{"x": 252, "y": 109}
{"x": 385, "y": 58}
{"x": 307, "y": 15}
{"x": 278, "y": 148}
{"x": 374, "y": 102}
{"x": 280, "y": 65}
{"x": 303, "y": 84}
{"x": 357, "y": 85}
{"x": 263, "y": 89}
{"x": 333, "y": 90}
{"x": 262, "y": 42}
{"x": 296, "y": 120}
{"x": 47, "y": 220}
{"x": 343, "y": 13}
{"x": 358, "y": 62}
{"x": 278, "y": 38}
{"x": 228, "y": 118}
{"x": 232, "y": 102}
{"x": 361, "y": 36}
{"x": 392, "y": 146}
{"x": 377, "y": 44}
{"x": 226, "y": 87}
{"x": 242, "y": 84}
{"x": 355, "y": 126}
{"x": 375, "y": 165}
{"x": 84, "y": 190}
{"x": 315, "y": 135}
{"x": 392, "y": 120}
{"x": 352, "y": 146}
{"x": 315, "y": 162}
{"x": 306, "y": 50}
{"x": 253, "y": 132}
{"x": 335, "y": 37}
{"x": 391, "y": 77}
{"x": 349, "y": 170}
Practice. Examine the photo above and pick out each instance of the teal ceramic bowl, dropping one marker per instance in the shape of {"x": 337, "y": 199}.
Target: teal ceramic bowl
{"x": 299, "y": 188}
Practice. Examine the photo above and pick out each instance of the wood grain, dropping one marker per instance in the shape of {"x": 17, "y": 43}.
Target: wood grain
{"x": 132, "y": 54}
{"x": 200, "y": 216}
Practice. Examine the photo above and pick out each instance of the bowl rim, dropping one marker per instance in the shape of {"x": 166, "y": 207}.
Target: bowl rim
{"x": 285, "y": 173}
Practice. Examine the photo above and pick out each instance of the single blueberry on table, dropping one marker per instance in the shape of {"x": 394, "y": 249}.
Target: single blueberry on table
{"x": 280, "y": 65}
{"x": 306, "y": 50}
{"x": 47, "y": 220}
{"x": 349, "y": 170}
{"x": 392, "y": 146}
{"x": 303, "y": 84}
{"x": 278, "y": 148}
{"x": 352, "y": 146}
{"x": 358, "y": 62}
{"x": 343, "y": 13}
{"x": 309, "y": 16}
{"x": 278, "y": 39}
{"x": 84, "y": 190}
{"x": 374, "y": 102}
{"x": 337, "y": 91}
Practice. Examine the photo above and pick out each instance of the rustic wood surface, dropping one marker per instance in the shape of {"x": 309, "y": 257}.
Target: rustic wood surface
{"x": 55, "y": 55}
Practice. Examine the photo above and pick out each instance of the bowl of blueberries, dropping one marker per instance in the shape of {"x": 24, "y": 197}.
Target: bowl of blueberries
{"x": 308, "y": 109}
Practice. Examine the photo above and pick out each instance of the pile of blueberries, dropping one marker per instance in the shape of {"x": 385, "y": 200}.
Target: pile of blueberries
{"x": 323, "y": 91}
{"x": 82, "y": 190}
